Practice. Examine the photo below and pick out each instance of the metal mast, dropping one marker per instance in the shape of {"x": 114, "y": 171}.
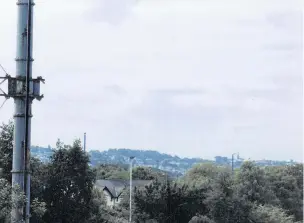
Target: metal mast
{"x": 23, "y": 88}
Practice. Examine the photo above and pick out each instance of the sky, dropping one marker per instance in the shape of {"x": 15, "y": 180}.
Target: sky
{"x": 194, "y": 78}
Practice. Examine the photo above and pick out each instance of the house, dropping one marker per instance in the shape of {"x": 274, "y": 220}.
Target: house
{"x": 113, "y": 189}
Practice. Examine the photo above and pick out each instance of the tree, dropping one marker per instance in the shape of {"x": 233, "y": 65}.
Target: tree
{"x": 111, "y": 171}
{"x": 102, "y": 214}
{"x": 6, "y": 155}
{"x": 68, "y": 192}
{"x": 253, "y": 186}
{"x": 148, "y": 202}
{"x": 201, "y": 219}
{"x": 6, "y": 150}
{"x": 39, "y": 176}
{"x": 270, "y": 214}
{"x": 166, "y": 203}
{"x": 38, "y": 209}
{"x": 143, "y": 173}
{"x": 98, "y": 206}
{"x": 287, "y": 184}
{"x": 224, "y": 203}
{"x": 6, "y": 201}
{"x": 202, "y": 174}
{"x": 148, "y": 173}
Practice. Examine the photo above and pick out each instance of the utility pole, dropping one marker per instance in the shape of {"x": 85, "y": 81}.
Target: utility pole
{"x": 23, "y": 89}
{"x": 130, "y": 205}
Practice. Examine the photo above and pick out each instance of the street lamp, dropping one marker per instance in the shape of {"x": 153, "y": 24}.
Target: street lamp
{"x": 232, "y": 162}
{"x": 131, "y": 161}
{"x": 165, "y": 176}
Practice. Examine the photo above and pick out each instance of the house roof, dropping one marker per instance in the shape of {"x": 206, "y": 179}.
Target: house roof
{"x": 115, "y": 187}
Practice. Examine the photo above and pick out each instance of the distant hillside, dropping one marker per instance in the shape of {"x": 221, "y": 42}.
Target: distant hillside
{"x": 147, "y": 158}
{"x": 41, "y": 153}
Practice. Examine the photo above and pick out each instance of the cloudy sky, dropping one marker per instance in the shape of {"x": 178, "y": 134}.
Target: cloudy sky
{"x": 195, "y": 78}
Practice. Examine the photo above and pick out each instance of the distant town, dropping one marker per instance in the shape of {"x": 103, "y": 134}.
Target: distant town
{"x": 154, "y": 159}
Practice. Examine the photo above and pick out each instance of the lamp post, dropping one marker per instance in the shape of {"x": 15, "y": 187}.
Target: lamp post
{"x": 232, "y": 162}
{"x": 165, "y": 177}
{"x": 131, "y": 161}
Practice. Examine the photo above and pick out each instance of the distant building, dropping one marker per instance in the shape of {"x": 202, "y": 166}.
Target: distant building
{"x": 113, "y": 189}
{"x": 221, "y": 160}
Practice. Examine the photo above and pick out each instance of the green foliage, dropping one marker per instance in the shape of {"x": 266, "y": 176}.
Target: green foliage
{"x": 149, "y": 201}
{"x": 62, "y": 191}
{"x": 103, "y": 214}
{"x": 38, "y": 209}
{"x": 202, "y": 174}
{"x": 146, "y": 157}
{"x": 287, "y": 184}
{"x": 97, "y": 205}
{"x": 166, "y": 203}
{"x": 39, "y": 177}
{"x": 69, "y": 186}
{"x": 201, "y": 219}
{"x": 252, "y": 196}
{"x": 98, "y": 197}
{"x": 224, "y": 204}
{"x": 253, "y": 186}
{"x": 148, "y": 173}
{"x": 125, "y": 199}
{"x": 270, "y": 214}
{"x": 111, "y": 171}
{"x": 6, "y": 150}
{"x": 7, "y": 201}
{"x": 143, "y": 173}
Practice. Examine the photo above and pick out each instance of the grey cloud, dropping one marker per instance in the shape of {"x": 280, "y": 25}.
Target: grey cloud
{"x": 173, "y": 92}
{"x": 288, "y": 80}
{"x": 102, "y": 78}
{"x": 284, "y": 19}
{"x": 286, "y": 47}
{"x": 279, "y": 95}
{"x": 115, "y": 89}
{"x": 206, "y": 126}
{"x": 113, "y": 12}
{"x": 158, "y": 105}
{"x": 104, "y": 95}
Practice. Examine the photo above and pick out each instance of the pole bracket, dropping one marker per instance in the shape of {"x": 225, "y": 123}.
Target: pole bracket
{"x": 20, "y": 2}
{"x": 17, "y": 87}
